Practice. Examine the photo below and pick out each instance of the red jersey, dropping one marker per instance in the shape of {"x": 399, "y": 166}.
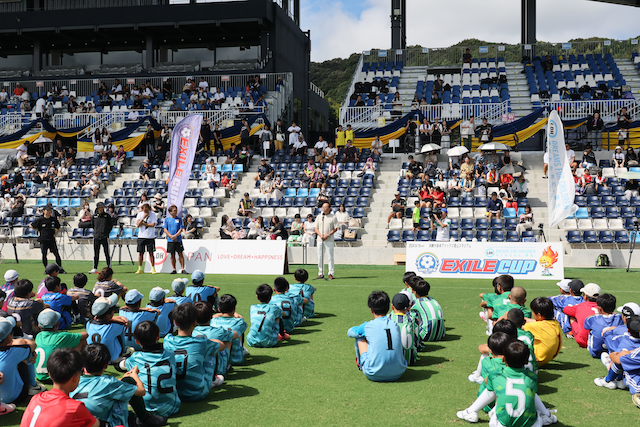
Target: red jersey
{"x": 581, "y": 312}
{"x": 55, "y": 409}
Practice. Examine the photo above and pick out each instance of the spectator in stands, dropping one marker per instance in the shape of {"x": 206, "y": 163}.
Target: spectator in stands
{"x": 599, "y": 180}
{"x": 17, "y": 208}
{"x": 585, "y": 182}
{"x": 144, "y": 198}
{"x": 519, "y": 187}
{"x": 571, "y": 157}
{"x": 174, "y": 106}
{"x": 350, "y": 153}
{"x": 631, "y": 158}
{"x": 594, "y": 127}
{"x": 121, "y": 155}
{"x": 70, "y": 157}
{"x": 4, "y": 96}
{"x": 525, "y": 221}
{"x": 409, "y": 135}
{"x": 189, "y": 86}
{"x": 309, "y": 233}
{"x": 588, "y": 158}
{"x": 415, "y": 103}
{"x": 547, "y": 64}
{"x": 467, "y": 130}
{"x": 376, "y": 146}
{"x": 398, "y": 206}
{"x": 437, "y": 85}
{"x": 245, "y": 207}
{"x": 25, "y": 105}
{"x": 93, "y": 184}
{"x": 425, "y": 131}
{"x": 468, "y": 184}
{"x": 116, "y": 88}
{"x": 133, "y": 116}
{"x": 545, "y": 165}
{"x": 205, "y": 135}
{"x": 440, "y": 181}
{"x": 631, "y": 188}
{"x": 454, "y": 187}
{"x": 232, "y": 155}
{"x": 617, "y": 158}
{"x": 438, "y": 197}
{"x": 467, "y": 167}
{"x": 256, "y": 229}
{"x": 266, "y": 138}
{"x": 466, "y": 57}
{"x": 318, "y": 177}
{"x": 480, "y": 170}
{"x": 486, "y": 131}
{"x": 17, "y": 92}
{"x": 59, "y": 150}
{"x": 624, "y": 123}
{"x": 102, "y": 90}
{"x": 277, "y": 229}
{"x": 190, "y": 228}
{"x": 217, "y": 140}
{"x": 260, "y": 106}
{"x": 145, "y": 170}
{"x": 343, "y": 217}
{"x": 359, "y": 102}
{"x": 5, "y": 205}
{"x": 329, "y": 153}
{"x": 298, "y": 145}
{"x": 264, "y": 170}
{"x": 203, "y": 86}
{"x": 219, "y": 97}
{"x": 137, "y": 102}
{"x": 435, "y": 99}
{"x": 103, "y": 164}
{"x": 349, "y": 135}
{"x": 158, "y": 205}
{"x": 414, "y": 169}
{"x": 39, "y": 108}
{"x": 442, "y": 225}
{"x": 213, "y": 177}
{"x": 85, "y": 216}
{"x": 396, "y": 105}
{"x": 425, "y": 195}
{"x": 72, "y": 105}
{"x": 494, "y": 206}
{"x": 135, "y": 92}
{"x": 334, "y": 169}
{"x": 268, "y": 190}
{"x": 167, "y": 90}
{"x": 369, "y": 168}
{"x": 506, "y": 195}
{"x": 149, "y": 140}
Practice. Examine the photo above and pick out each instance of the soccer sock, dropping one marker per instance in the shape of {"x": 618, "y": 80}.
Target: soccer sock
{"x": 483, "y": 400}
{"x": 614, "y": 372}
{"x": 605, "y": 359}
{"x": 479, "y": 368}
{"x": 540, "y": 406}
{"x": 31, "y": 369}
{"x": 137, "y": 402}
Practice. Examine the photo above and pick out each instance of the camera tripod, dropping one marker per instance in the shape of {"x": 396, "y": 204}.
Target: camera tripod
{"x": 119, "y": 240}
{"x": 12, "y": 238}
{"x": 632, "y": 241}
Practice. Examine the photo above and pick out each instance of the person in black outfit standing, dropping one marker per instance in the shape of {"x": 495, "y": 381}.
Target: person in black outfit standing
{"x": 102, "y": 225}
{"x": 150, "y": 139}
{"x": 205, "y": 134}
{"x": 48, "y": 226}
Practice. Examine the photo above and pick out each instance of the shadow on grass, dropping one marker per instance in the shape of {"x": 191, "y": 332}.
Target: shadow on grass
{"x": 193, "y": 408}
{"x": 563, "y": 366}
{"x": 232, "y": 391}
{"x": 430, "y": 347}
{"x": 292, "y": 342}
{"x": 545, "y": 389}
{"x": 258, "y": 360}
{"x": 310, "y": 323}
{"x": 426, "y": 360}
{"x": 323, "y": 315}
{"x": 243, "y": 374}
{"x": 450, "y": 337}
{"x": 411, "y": 375}
{"x": 546, "y": 376}
{"x": 305, "y": 331}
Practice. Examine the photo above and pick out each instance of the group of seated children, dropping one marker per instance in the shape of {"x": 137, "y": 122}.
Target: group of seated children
{"x": 198, "y": 348}
{"x": 589, "y": 316}
{"x": 386, "y": 345}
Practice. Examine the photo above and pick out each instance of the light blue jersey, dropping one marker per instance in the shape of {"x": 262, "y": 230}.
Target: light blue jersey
{"x": 236, "y": 324}
{"x": 135, "y": 318}
{"x": 163, "y": 320}
{"x": 595, "y": 325}
{"x": 106, "y": 398}
{"x": 307, "y": 292}
{"x": 108, "y": 333}
{"x": 559, "y": 303}
{"x": 631, "y": 365}
{"x": 158, "y": 370}
{"x": 384, "y": 359}
{"x": 624, "y": 342}
{"x": 264, "y": 325}
{"x": 203, "y": 293}
{"x": 192, "y": 354}
{"x": 220, "y": 359}
{"x": 181, "y": 299}
{"x": 10, "y": 356}
{"x": 289, "y": 305}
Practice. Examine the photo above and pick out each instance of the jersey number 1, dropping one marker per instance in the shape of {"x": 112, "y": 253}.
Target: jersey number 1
{"x": 389, "y": 341}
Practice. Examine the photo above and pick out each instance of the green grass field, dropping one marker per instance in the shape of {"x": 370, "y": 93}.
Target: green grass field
{"x": 313, "y": 379}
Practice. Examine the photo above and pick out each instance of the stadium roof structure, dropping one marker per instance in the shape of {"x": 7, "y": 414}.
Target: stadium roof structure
{"x": 635, "y": 3}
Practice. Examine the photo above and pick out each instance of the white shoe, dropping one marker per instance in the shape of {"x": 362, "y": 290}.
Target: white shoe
{"x": 245, "y": 352}
{"x": 38, "y": 388}
{"x": 547, "y": 420}
{"x": 602, "y": 382}
{"x": 6, "y": 408}
{"x": 93, "y": 271}
{"x": 620, "y": 384}
{"x": 217, "y": 381}
{"x": 483, "y": 316}
{"x": 475, "y": 378}
{"x": 304, "y": 319}
{"x": 122, "y": 365}
{"x": 470, "y": 417}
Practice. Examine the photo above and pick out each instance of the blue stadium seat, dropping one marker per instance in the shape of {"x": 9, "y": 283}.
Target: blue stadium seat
{"x": 605, "y": 236}
{"x": 466, "y": 202}
{"x": 482, "y": 224}
{"x": 407, "y": 236}
{"x": 509, "y": 213}
{"x": 581, "y": 201}
{"x": 621, "y": 201}
{"x": 77, "y": 233}
{"x": 423, "y": 236}
{"x": 593, "y": 201}
{"x": 299, "y": 202}
{"x": 596, "y": 212}
{"x": 497, "y": 236}
{"x": 573, "y": 237}
{"x": 495, "y": 224}
{"x": 482, "y": 234}
{"x": 607, "y": 201}
{"x": 611, "y": 212}
{"x": 582, "y": 213}
{"x": 454, "y": 224}
{"x": 466, "y": 234}
{"x": 453, "y": 202}
{"x": 510, "y": 224}
{"x": 512, "y": 236}
{"x": 88, "y": 233}
{"x": 589, "y": 237}
{"x": 629, "y": 224}
{"x": 621, "y": 237}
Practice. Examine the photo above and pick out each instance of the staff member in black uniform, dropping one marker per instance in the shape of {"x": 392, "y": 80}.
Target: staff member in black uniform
{"x": 48, "y": 226}
{"x": 102, "y": 225}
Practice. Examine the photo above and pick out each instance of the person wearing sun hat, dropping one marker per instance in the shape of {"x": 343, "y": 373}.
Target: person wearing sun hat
{"x": 578, "y": 313}
{"x": 50, "y": 339}
{"x": 178, "y": 286}
{"x": 165, "y": 306}
{"x": 10, "y": 279}
{"x": 135, "y": 315}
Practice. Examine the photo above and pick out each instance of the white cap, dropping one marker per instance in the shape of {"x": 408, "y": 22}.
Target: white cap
{"x": 630, "y": 306}
{"x": 11, "y": 275}
{"x": 591, "y": 290}
{"x": 564, "y": 284}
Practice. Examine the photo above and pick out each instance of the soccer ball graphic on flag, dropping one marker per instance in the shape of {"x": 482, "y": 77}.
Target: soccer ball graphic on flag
{"x": 427, "y": 263}
{"x": 185, "y": 133}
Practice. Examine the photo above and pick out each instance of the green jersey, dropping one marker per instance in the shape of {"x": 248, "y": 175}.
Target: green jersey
{"x": 408, "y": 334}
{"x": 416, "y": 214}
{"x": 47, "y": 342}
{"x": 490, "y": 366}
{"x": 498, "y": 299}
{"x": 486, "y": 297}
{"x": 515, "y": 391}
{"x": 527, "y": 338}
{"x": 504, "y": 308}
{"x": 428, "y": 313}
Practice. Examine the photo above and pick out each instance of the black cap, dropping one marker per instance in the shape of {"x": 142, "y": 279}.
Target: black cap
{"x": 100, "y": 205}
{"x": 400, "y": 301}
{"x": 494, "y": 194}
{"x": 48, "y": 206}
{"x": 576, "y": 285}
{"x": 51, "y": 268}
{"x": 246, "y": 194}
{"x": 633, "y": 324}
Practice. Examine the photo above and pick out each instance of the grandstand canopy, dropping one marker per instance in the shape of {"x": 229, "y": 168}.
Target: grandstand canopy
{"x": 635, "y": 3}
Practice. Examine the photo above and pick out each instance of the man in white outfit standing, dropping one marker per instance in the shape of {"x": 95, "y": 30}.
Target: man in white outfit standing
{"x": 326, "y": 225}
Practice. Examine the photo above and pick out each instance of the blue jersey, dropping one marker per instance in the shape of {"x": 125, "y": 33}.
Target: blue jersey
{"x": 173, "y": 225}
{"x": 220, "y": 359}
{"x": 238, "y": 325}
{"x": 289, "y": 305}
{"x": 264, "y": 325}
{"x": 135, "y": 318}
{"x": 192, "y": 354}
{"x": 10, "y": 356}
{"x": 384, "y": 359}
{"x": 631, "y": 365}
{"x": 108, "y": 333}
{"x": 62, "y": 304}
{"x": 203, "y": 293}
{"x": 559, "y": 303}
{"x": 621, "y": 342}
{"x": 158, "y": 374}
{"x": 307, "y": 292}
{"x": 106, "y": 398}
{"x": 595, "y": 325}
{"x": 163, "y": 320}
{"x": 181, "y": 299}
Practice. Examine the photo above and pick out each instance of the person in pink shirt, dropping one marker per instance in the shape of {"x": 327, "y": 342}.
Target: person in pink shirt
{"x": 578, "y": 313}
{"x": 10, "y": 278}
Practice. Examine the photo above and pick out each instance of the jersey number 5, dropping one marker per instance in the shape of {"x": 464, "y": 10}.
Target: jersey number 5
{"x": 518, "y": 394}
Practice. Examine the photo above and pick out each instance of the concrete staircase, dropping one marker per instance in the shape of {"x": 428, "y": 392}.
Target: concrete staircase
{"x": 630, "y": 72}
{"x": 407, "y": 85}
{"x": 518, "y": 90}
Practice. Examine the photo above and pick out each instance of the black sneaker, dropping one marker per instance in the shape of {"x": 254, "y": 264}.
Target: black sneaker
{"x": 62, "y": 271}
{"x": 184, "y": 271}
{"x": 173, "y": 272}
{"x": 153, "y": 421}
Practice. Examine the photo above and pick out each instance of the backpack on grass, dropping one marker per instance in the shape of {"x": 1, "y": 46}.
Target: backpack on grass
{"x": 602, "y": 260}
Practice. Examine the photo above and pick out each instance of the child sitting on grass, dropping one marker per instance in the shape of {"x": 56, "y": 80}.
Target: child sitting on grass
{"x": 157, "y": 369}
{"x": 546, "y": 331}
{"x": 158, "y": 301}
{"x": 629, "y": 361}
{"x": 517, "y": 297}
{"x": 502, "y": 286}
{"x": 27, "y": 308}
{"x": 107, "y": 329}
{"x": 427, "y": 312}
{"x": 288, "y": 302}
{"x": 569, "y": 295}
{"x": 106, "y": 397}
{"x": 407, "y": 279}
{"x": 503, "y": 325}
{"x": 192, "y": 354}
{"x": 379, "y": 351}
{"x": 58, "y": 301}
{"x": 617, "y": 345}
{"x": 228, "y": 318}
{"x": 50, "y": 339}
{"x": 401, "y": 314}
{"x": 18, "y": 377}
{"x": 606, "y": 305}
{"x": 578, "y": 313}
{"x": 301, "y": 287}
{"x": 84, "y": 297}
{"x": 218, "y": 368}
{"x": 266, "y": 320}
{"x": 55, "y": 408}
{"x": 134, "y": 314}
{"x": 199, "y": 292}
{"x": 178, "y": 286}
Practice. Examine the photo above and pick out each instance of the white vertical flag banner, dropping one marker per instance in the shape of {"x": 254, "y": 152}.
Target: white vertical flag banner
{"x": 561, "y": 185}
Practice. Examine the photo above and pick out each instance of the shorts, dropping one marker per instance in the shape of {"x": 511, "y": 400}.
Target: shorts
{"x": 174, "y": 247}
{"x": 146, "y": 245}
{"x": 416, "y": 225}
{"x": 397, "y": 209}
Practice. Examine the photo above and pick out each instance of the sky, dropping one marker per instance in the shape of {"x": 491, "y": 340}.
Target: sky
{"x": 342, "y": 27}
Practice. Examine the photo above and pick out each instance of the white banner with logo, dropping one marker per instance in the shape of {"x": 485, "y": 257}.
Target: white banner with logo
{"x": 561, "y": 185}
{"x": 224, "y": 256}
{"x": 486, "y": 260}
